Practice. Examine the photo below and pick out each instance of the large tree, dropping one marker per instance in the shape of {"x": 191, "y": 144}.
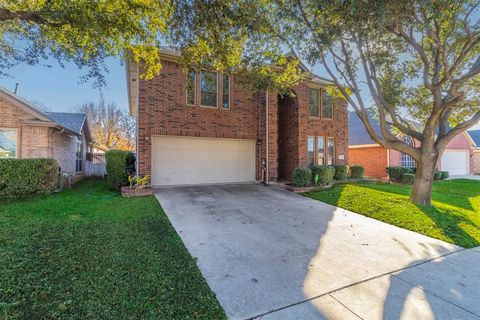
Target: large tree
{"x": 110, "y": 126}
{"x": 408, "y": 60}
{"x": 82, "y": 31}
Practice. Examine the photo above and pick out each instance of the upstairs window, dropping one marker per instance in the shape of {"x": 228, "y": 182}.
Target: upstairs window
{"x": 191, "y": 87}
{"x": 208, "y": 89}
{"x": 8, "y": 143}
{"x": 314, "y": 102}
{"x": 226, "y": 92}
{"x": 327, "y": 105}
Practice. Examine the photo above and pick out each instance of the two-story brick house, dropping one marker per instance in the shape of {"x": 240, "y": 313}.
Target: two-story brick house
{"x": 204, "y": 127}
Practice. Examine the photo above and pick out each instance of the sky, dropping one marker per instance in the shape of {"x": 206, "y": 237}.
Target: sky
{"x": 59, "y": 89}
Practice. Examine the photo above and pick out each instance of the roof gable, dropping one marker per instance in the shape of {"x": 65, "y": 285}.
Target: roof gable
{"x": 71, "y": 121}
{"x": 22, "y": 104}
{"x": 475, "y": 135}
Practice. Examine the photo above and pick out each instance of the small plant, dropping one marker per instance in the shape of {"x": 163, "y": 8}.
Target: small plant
{"x": 437, "y": 175}
{"x": 341, "y": 172}
{"x": 395, "y": 173}
{"x": 408, "y": 178}
{"x": 302, "y": 177}
{"x": 356, "y": 172}
{"x": 325, "y": 174}
{"x": 137, "y": 182}
{"x": 444, "y": 174}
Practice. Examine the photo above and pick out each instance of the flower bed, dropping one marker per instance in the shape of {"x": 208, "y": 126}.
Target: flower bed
{"x": 136, "y": 192}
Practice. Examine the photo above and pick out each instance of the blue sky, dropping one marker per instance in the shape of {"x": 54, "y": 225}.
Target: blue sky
{"x": 59, "y": 89}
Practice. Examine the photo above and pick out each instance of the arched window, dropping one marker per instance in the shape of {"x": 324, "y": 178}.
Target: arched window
{"x": 405, "y": 159}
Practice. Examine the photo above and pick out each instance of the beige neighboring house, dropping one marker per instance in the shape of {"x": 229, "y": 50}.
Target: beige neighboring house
{"x": 27, "y": 132}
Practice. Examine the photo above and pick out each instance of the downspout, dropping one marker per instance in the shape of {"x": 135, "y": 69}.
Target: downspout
{"x": 266, "y": 136}
{"x": 136, "y": 124}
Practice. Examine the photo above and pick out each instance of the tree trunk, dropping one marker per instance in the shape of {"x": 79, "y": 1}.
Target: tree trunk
{"x": 424, "y": 176}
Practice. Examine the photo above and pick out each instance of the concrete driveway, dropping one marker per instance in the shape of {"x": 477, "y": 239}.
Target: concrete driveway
{"x": 468, "y": 176}
{"x": 271, "y": 254}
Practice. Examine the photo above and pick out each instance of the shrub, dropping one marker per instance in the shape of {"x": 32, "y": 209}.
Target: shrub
{"x": 323, "y": 175}
{"x": 341, "y": 172}
{"x": 408, "y": 178}
{"x": 437, "y": 175}
{"x": 444, "y": 174}
{"x": 23, "y": 178}
{"x": 116, "y": 168}
{"x": 395, "y": 173}
{"x": 302, "y": 177}
{"x": 356, "y": 172}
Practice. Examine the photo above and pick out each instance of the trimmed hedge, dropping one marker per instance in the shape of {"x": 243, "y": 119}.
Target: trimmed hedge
{"x": 437, "y": 175}
{"x": 302, "y": 177}
{"x": 395, "y": 173}
{"x": 323, "y": 175}
{"x": 341, "y": 172}
{"x": 444, "y": 174}
{"x": 116, "y": 168}
{"x": 408, "y": 178}
{"x": 23, "y": 178}
{"x": 356, "y": 172}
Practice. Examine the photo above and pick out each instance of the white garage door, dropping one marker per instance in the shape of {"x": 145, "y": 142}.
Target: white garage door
{"x": 185, "y": 160}
{"x": 455, "y": 162}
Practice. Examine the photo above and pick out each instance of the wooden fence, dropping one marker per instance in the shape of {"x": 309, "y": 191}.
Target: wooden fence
{"x": 95, "y": 166}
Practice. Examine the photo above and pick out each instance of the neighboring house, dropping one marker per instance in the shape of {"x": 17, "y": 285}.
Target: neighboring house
{"x": 457, "y": 158}
{"x": 27, "y": 132}
{"x": 203, "y": 127}
{"x": 475, "y": 136}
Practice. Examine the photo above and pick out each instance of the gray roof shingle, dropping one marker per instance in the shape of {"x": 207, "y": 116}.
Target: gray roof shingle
{"x": 358, "y": 135}
{"x": 70, "y": 121}
{"x": 475, "y": 135}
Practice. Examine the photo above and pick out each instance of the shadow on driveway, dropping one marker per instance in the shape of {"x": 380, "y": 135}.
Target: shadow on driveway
{"x": 271, "y": 254}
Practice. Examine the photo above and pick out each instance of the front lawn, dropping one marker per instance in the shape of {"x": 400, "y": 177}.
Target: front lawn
{"x": 454, "y": 216}
{"x": 88, "y": 253}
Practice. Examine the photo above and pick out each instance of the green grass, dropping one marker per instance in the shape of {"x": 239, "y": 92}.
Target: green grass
{"x": 88, "y": 253}
{"x": 454, "y": 216}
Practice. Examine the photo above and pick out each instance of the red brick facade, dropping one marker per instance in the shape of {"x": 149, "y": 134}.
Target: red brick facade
{"x": 374, "y": 159}
{"x": 162, "y": 110}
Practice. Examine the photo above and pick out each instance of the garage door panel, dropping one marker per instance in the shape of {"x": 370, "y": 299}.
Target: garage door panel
{"x": 456, "y": 162}
{"x": 185, "y": 160}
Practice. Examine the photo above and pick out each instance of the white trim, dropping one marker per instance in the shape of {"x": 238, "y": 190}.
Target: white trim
{"x": 467, "y": 135}
{"x": 358, "y": 146}
{"x": 266, "y": 134}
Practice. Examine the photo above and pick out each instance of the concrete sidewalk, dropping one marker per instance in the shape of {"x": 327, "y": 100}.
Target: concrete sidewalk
{"x": 271, "y": 254}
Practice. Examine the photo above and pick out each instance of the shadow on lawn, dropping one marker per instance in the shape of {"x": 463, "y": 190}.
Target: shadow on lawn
{"x": 451, "y": 223}
{"x": 452, "y": 192}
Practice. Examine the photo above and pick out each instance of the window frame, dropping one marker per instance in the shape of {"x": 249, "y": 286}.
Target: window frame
{"x": 200, "y": 89}
{"x": 78, "y": 160}
{"x": 314, "y": 150}
{"x": 229, "y": 91}
{"x": 319, "y": 102}
{"x": 195, "y": 87}
{"x": 333, "y": 151}
{"x": 324, "y": 151}
{"x": 331, "y": 105}
{"x": 16, "y": 141}
{"x": 406, "y": 159}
